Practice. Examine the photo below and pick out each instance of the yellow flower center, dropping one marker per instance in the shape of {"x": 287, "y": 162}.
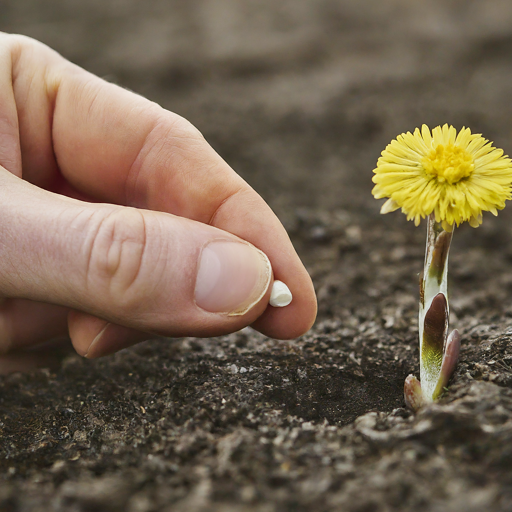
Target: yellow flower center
{"x": 448, "y": 163}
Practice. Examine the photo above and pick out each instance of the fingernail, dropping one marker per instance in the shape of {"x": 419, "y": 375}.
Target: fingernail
{"x": 231, "y": 278}
{"x": 113, "y": 338}
{"x": 92, "y": 350}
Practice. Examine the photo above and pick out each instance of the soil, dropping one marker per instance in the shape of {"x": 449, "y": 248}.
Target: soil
{"x": 300, "y": 97}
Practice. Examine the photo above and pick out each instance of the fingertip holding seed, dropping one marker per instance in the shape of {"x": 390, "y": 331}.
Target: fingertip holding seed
{"x": 280, "y": 296}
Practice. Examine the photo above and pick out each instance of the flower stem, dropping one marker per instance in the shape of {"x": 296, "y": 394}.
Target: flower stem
{"x": 438, "y": 352}
{"x": 433, "y": 313}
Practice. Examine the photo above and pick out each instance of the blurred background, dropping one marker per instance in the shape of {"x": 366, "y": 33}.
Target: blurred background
{"x": 301, "y": 96}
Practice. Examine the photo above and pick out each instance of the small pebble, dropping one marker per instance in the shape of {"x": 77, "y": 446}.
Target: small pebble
{"x": 280, "y": 295}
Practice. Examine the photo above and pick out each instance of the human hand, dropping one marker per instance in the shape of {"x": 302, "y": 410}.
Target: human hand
{"x": 118, "y": 219}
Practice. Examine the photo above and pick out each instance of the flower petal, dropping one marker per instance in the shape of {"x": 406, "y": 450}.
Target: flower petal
{"x": 453, "y": 196}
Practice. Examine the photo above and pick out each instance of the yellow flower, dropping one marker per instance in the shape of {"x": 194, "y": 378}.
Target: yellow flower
{"x": 455, "y": 176}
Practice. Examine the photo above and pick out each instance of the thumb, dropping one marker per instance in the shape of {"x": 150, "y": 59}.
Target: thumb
{"x": 149, "y": 271}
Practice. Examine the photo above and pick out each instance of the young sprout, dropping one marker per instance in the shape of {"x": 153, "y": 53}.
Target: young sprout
{"x": 449, "y": 178}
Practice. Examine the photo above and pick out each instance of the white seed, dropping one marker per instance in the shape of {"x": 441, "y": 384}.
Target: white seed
{"x": 280, "y": 296}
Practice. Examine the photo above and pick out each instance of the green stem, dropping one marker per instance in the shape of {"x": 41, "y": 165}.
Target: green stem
{"x": 433, "y": 313}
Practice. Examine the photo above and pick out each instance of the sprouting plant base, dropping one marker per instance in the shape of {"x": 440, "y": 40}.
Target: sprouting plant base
{"x": 438, "y": 351}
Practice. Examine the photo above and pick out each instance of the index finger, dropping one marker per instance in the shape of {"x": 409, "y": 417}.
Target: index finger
{"x": 118, "y": 147}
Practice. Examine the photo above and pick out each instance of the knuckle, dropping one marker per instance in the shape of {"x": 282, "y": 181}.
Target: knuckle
{"x": 116, "y": 254}
{"x": 18, "y": 43}
{"x": 183, "y": 128}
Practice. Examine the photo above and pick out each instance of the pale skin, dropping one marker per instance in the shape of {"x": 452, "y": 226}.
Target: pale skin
{"x": 105, "y": 202}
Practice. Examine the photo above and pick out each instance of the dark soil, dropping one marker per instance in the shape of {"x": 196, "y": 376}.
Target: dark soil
{"x": 300, "y": 97}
